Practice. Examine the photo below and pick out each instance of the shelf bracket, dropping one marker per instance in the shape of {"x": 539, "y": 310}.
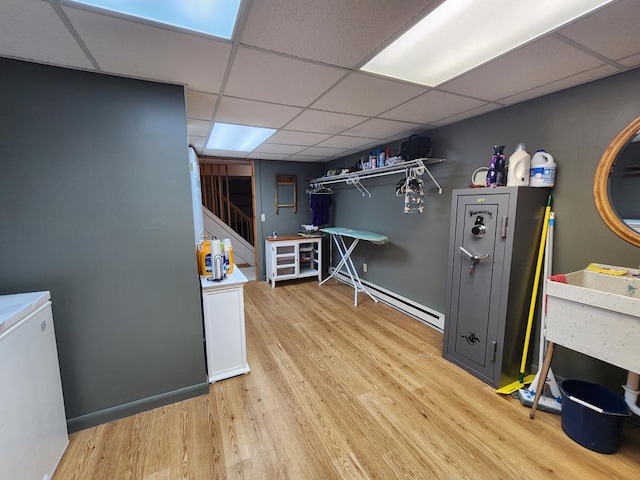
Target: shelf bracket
{"x": 355, "y": 181}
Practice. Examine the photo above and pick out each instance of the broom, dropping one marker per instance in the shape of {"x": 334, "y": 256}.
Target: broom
{"x": 522, "y": 381}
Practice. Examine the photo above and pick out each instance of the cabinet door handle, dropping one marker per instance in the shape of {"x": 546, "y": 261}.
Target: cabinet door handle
{"x": 494, "y": 350}
{"x": 505, "y": 223}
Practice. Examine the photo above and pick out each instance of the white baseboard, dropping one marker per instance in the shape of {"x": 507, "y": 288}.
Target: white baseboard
{"x": 416, "y": 310}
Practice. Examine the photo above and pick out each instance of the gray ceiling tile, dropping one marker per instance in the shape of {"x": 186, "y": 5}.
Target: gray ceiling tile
{"x": 281, "y": 79}
{"x": 257, "y": 114}
{"x": 431, "y": 107}
{"x": 609, "y": 32}
{"x": 324, "y": 122}
{"x": 523, "y": 70}
{"x": 157, "y": 53}
{"x": 381, "y": 128}
{"x": 200, "y": 105}
{"x": 332, "y": 31}
{"x": 292, "y": 137}
{"x": 361, "y": 94}
{"x": 33, "y": 30}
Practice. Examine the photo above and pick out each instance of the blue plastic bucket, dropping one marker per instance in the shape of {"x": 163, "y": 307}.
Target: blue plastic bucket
{"x": 592, "y": 415}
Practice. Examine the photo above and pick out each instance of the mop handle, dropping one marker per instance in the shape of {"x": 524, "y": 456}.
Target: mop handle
{"x": 534, "y": 293}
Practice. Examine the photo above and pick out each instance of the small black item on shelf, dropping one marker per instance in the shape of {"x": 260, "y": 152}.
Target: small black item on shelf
{"x": 415, "y": 147}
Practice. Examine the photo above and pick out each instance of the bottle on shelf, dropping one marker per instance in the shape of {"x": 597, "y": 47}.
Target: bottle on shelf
{"x": 518, "y": 168}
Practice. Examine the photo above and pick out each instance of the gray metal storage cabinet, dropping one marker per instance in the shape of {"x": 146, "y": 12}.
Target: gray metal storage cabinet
{"x": 494, "y": 241}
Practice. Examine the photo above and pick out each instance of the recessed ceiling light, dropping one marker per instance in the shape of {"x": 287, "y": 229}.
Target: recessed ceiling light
{"x": 462, "y": 34}
{"x": 239, "y": 138}
{"x": 212, "y": 17}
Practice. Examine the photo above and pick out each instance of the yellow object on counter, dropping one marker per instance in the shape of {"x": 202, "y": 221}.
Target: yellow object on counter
{"x": 228, "y": 253}
{"x": 204, "y": 258}
{"x": 594, "y": 267}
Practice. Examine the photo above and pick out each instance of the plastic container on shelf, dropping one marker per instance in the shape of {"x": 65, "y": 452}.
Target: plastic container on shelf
{"x": 519, "y": 167}
{"x": 204, "y": 258}
{"x": 228, "y": 255}
{"x": 543, "y": 170}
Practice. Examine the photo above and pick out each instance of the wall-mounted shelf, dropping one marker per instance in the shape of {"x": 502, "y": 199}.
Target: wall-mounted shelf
{"x": 419, "y": 166}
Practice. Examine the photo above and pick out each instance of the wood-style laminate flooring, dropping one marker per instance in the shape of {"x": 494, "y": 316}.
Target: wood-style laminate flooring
{"x": 341, "y": 392}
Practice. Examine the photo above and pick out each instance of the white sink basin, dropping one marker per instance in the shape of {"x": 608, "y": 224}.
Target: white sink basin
{"x": 596, "y": 314}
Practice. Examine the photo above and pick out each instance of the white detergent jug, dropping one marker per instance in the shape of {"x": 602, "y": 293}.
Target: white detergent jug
{"x": 543, "y": 170}
{"x": 519, "y": 164}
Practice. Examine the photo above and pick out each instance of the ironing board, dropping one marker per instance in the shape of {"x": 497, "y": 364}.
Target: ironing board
{"x": 339, "y": 234}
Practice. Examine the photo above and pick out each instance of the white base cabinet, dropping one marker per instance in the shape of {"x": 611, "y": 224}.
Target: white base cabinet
{"x": 223, "y": 306}
{"x": 33, "y": 424}
{"x": 292, "y": 257}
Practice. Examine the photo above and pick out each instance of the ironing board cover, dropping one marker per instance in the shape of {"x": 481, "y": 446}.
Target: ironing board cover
{"x": 360, "y": 234}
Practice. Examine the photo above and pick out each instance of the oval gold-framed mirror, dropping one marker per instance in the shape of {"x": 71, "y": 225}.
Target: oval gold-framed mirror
{"x": 601, "y": 180}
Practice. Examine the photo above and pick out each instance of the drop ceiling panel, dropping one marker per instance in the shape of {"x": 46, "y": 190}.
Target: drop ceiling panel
{"x": 341, "y": 141}
{"x": 321, "y": 152}
{"x": 381, "y": 128}
{"x": 335, "y": 32}
{"x": 199, "y": 128}
{"x": 297, "y": 138}
{"x": 295, "y": 67}
{"x": 279, "y": 149}
{"x": 632, "y": 61}
{"x": 267, "y": 156}
{"x": 212, "y": 152}
{"x": 197, "y": 142}
{"x": 324, "y": 122}
{"x": 431, "y": 107}
{"x": 138, "y": 50}
{"x": 200, "y": 105}
{"x": 274, "y": 78}
{"x": 361, "y": 94}
{"x": 32, "y": 30}
{"x": 308, "y": 158}
{"x": 468, "y": 114}
{"x": 257, "y": 114}
{"x": 545, "y": 61}
{"x": 612, "y": 32}
{"x": 572, "y": 81}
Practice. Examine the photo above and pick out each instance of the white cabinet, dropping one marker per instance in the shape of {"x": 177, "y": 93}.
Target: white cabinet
{"x": 33, "y": 425}
{"x": 223, "y": 305}
{"x": 292, "y": 257}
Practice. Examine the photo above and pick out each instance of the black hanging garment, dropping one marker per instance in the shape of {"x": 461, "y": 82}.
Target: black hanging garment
{"x": 320, "y": 204}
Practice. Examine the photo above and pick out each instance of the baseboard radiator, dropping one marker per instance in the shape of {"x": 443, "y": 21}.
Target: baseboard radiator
{"x": 414, "y": 309}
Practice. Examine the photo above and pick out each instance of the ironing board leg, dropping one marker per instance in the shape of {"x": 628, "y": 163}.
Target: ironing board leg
{"x": 344, "y": 254}
{"x": 347, "y": 262}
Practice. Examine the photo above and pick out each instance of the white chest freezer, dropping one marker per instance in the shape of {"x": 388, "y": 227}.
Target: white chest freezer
{"x": 33, "y": 428}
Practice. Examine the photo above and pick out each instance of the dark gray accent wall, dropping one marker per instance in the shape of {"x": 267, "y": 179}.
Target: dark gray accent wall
{"x": 95, "y": 207}
{"x": 574, "y": 125}
{"x": 285, "y": 222}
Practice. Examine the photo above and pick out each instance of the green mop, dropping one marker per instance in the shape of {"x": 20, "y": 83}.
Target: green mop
{"x": 546, "y": 403}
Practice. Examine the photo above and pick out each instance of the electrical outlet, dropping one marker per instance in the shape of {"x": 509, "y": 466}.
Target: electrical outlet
{"x": 364, "y": 267}
{"x": 263, "y": 217}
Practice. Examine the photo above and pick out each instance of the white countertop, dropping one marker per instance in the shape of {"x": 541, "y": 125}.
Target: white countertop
{"x": 16, "y": 306}
{"x": 235, "y": 278}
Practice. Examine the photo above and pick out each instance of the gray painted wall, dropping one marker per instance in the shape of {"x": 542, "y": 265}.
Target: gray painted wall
{"x": 285, "y": 222}
{"x": 574, "y": 125}
{"x": 95, "y": 207}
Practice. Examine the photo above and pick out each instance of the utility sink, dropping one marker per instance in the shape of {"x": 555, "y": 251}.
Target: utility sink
{"x": 597, "y": 314}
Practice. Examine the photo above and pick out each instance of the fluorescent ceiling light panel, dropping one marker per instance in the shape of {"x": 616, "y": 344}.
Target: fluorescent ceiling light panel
{"x": 239, "y": 138}
{"x": 212, "y": 17}
{"x": 462, "y": 34}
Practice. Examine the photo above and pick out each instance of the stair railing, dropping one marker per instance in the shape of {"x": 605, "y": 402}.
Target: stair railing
{"x": 214, "y": 183}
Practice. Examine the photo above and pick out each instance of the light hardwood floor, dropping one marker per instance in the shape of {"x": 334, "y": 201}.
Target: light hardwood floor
{"x": 341, "y": 392}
